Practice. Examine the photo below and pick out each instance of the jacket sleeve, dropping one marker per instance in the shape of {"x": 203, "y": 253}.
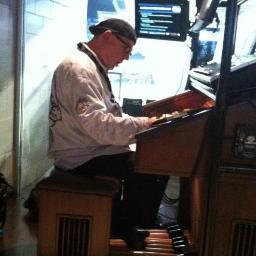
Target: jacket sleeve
{"x": 96, "y": 115}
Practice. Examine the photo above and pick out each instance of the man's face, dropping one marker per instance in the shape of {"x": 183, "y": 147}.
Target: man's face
{"x": 119, "y": 49}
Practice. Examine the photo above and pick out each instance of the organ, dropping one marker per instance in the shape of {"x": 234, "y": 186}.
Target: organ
{"x": 183, "y": 147}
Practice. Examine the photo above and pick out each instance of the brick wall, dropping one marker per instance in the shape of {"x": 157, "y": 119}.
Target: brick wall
{"x": 51, "y": 29}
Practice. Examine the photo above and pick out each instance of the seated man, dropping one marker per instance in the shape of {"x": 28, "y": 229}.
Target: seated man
{"x": 89, "y": 134}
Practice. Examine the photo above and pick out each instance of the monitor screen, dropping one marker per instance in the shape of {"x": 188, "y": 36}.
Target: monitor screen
{"x": 162, "y": 19}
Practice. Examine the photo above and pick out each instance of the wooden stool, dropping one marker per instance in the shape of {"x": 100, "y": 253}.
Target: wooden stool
{"x": 75, "y": 215}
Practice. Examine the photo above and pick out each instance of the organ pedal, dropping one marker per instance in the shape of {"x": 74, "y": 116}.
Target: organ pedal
{"x": 170, "y": 241}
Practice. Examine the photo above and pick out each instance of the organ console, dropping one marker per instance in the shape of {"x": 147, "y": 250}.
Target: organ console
{"x": 171, "y": 147}
{"x": 182, "y": 146}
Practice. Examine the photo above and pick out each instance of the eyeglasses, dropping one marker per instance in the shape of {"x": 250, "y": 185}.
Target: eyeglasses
{"x": 127, "y": 47}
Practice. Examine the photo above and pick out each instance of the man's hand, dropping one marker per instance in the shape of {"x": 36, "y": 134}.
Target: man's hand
{"x": 152, "y": 120}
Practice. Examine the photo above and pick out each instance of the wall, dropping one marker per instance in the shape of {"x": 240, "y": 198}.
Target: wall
{"x": 7, "y": 59}
{"x": 51, "y": 29}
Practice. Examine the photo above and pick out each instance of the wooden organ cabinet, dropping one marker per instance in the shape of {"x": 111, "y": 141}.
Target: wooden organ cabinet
{"x": 234, "y": 230}
{"x": 182, "y": 147}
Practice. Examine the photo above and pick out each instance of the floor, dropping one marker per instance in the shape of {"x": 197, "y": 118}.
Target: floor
{"x": 19, "y": 237}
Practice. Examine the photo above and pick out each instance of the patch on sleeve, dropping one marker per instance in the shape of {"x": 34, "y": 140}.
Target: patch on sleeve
{"x": 55, "y": 111}
{"x": 81, "y": 107}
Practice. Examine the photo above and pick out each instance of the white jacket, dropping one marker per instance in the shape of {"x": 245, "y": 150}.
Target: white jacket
{"x": 84, "y": 122}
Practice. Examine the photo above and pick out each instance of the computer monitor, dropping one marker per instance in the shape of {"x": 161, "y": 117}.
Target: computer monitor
{"x": 162, "y": 19}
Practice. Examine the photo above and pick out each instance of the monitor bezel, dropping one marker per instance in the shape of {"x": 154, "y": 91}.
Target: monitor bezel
{"x": 184, "y": 21}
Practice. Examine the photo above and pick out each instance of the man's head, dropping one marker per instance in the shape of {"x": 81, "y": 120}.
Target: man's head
{"x": 113, "y": 41}
{"x": 117, "y": 26}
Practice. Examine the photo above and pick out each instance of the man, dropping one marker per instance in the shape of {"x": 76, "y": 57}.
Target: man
{"x": 90, "y": 136}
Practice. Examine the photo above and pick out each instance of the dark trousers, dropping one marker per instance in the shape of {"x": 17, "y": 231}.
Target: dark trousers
{"x": 140, "y": 194}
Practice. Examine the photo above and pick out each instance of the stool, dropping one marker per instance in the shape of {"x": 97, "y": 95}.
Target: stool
{"x": 75, "y": 215}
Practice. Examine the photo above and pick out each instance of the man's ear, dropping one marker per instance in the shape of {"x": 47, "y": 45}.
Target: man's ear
{"x": 107, "y": 34}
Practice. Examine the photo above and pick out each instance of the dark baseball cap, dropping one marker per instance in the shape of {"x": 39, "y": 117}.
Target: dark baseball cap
{"x": 117, "y": 26}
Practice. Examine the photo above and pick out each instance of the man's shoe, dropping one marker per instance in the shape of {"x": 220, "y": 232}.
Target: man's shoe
{"x": 136, "y": 241}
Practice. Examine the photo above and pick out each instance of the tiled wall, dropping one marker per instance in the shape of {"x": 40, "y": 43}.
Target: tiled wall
{"x": 52, "y": 28}
{"x": 7, "y": 17}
